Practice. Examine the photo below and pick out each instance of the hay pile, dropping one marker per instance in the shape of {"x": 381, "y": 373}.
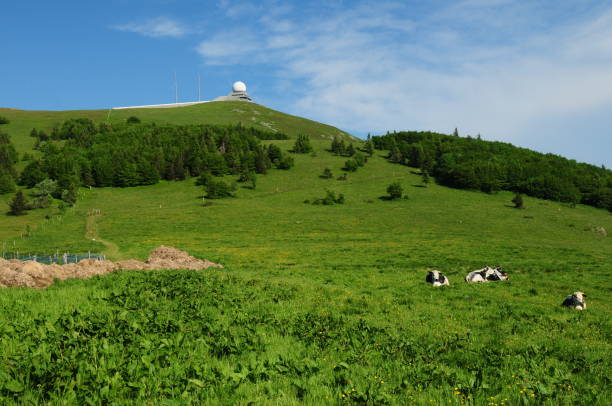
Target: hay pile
{"x": 14, "y": 273}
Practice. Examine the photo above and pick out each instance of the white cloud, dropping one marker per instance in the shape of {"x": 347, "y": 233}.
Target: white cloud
{"x": 156, "y": 28}
{"x": 469, "y": 65}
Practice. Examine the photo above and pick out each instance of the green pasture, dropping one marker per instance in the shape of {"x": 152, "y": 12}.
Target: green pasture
{"x": 316, "y": 304}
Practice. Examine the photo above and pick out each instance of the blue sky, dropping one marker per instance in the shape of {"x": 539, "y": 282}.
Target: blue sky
{"x": 535, "y": 73}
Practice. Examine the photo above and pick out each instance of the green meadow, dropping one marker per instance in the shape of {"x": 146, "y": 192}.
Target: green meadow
{"x": 316, "y": 304}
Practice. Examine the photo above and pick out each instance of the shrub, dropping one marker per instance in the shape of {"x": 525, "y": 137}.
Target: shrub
{"x": 286, "y": 162}
{"x": 218, "y": 189}
{"x": 330, "y": 199}
{"x": 4, "y": 120}
{"x": 133, "y": 120}
{"x": 327, "y": 174}
{"x": 7, "y": 184}
{"x": 351, "y": 165}
{"x": 395, "y": 191}
{"x": 360, "y": 159}
{"x": 70, "y": 196}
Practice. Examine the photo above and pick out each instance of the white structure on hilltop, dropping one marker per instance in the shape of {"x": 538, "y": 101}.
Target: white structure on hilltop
{"x": 239, "y": 93}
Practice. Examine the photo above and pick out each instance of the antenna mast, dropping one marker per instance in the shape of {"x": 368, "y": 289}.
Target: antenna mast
{"x": 199, "y": 88}
{"x": 175, "y": 88}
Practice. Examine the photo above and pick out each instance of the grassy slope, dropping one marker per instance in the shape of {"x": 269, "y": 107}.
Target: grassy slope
{"x": 304, "y": 268}
{"x": 251, "y": 114}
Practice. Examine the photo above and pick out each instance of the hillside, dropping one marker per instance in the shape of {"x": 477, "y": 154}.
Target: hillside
{"x": 316, "y": 304}
{"x": 249, "y": 114}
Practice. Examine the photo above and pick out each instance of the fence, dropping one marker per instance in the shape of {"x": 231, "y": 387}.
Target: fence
{"x": 56, "y": 258}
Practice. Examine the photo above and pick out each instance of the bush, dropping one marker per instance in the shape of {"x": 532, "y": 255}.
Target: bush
{"x": 285, "y": 163}
{"x": 4, "y": 120}
{"x": 218, "y": 189}
{"x": 395, "y": 191}
{"x": 133, "y": 120}
{"x": 351, "y": 165}
{"x": 327, "y": 174}
{"x": 7, "y": 184}
{"x": 360, "y": 159}
{"x": 330, "y": 199}
{"x": 70, "y": 196}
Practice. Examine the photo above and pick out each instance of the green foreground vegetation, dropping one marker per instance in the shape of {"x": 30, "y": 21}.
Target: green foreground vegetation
{"x": 316, "y": 304}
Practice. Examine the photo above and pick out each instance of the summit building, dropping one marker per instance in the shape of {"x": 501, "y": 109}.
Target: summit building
{"x": 239, "y": 93}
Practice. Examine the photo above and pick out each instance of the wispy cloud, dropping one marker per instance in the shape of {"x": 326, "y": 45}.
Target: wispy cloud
{"x": 156, "y": 28}
{"x": 499, "y": 68}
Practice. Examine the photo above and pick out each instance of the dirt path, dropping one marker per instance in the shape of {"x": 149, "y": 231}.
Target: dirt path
{"x": 91, "y": 233}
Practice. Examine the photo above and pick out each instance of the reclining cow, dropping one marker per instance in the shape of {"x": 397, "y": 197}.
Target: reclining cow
{"x": 437, "y": 279}
{"x": 498, "y": 275}
{"x": 575, "y": 301}
{"x": 486, "y": 274}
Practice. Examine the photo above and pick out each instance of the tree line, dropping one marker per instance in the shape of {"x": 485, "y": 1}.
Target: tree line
{"x": 8, "y": 159}
{"x": 132, "y": 154}
{"x": 472, "y": 163}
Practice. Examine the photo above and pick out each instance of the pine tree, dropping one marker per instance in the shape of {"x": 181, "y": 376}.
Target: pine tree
{"x": 302, "y": 145}
{"x": 369, "y": 148}
{"x": 425, "y": 177}
{"x": 19, "y": 204}
{"x": 518, "y": 201}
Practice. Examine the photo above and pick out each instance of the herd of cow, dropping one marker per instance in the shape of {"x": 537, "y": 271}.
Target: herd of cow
{"x": 488, "y": 274}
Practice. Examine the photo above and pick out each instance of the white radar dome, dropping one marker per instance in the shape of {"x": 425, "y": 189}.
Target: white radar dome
{"x": 239, "y": 87}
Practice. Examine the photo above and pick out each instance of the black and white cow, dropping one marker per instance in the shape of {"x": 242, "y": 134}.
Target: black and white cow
{"x": 437, "y": 279}
{"x": 575, "y": 301}
{"x": 486, "y": 274}
{"x": 497, "y": 275}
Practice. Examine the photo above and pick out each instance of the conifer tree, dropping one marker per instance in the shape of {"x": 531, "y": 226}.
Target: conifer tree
{"x": 425, "y": 177}
{"x": 518, "y": 201}
{"x": 369, "y": 147}
{"x": 302, "y": 145}
{"x": 19, "y": 204}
